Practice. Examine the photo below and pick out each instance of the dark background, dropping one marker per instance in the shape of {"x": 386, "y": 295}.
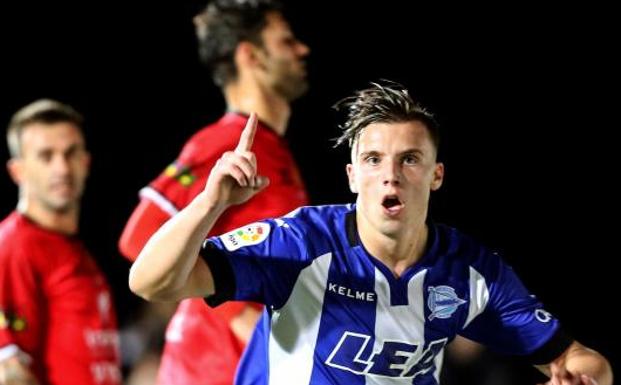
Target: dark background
{"x": 525, "y": 97}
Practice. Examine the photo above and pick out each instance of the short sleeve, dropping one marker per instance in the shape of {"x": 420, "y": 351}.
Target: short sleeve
{"x": 503, "y": 315}
{"x": 259, "y": 262}
{"x": 177, "y": 185}
{"x": 20, "y": 301}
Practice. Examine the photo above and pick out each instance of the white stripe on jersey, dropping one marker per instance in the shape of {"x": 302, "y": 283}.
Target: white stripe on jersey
{"x": 479, "y": 295}
{"x": 403, "y": 323}
{"x": 157, "y": 198}
{"x": 295, "y": 327}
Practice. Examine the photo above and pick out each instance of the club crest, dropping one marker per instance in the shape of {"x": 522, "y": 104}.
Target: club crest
{"x": 442, "y": 302}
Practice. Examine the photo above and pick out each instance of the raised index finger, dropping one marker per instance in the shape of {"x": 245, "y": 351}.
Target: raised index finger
{"x": 247, "y": 135}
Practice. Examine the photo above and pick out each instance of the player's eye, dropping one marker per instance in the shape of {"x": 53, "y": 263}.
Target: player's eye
{"x": 410, "y": 160}
{"x": 372, "y": 160}
{"x": 45, "y": 156}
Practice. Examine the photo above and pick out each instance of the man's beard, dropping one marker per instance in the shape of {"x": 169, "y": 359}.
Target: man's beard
{"x": 290, "y": 86}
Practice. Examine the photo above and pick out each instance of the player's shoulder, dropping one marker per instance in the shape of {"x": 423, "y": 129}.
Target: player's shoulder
{"x": 215, "y": 138}
{"x": 18, "y": 237}
{"x": 461, "y": 247}
{"x": 314, "y": 229}
{"x": 14, "y": 228}
{"x": 7, "y": 227}
{"x": 319, "y": 216}
{"x": 321, "y": 224}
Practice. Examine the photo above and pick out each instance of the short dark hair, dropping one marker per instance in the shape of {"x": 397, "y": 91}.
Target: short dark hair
{"x": 45, "y": 111}
{"x": 222, "y": 25}
{"x": 383, "y": 102}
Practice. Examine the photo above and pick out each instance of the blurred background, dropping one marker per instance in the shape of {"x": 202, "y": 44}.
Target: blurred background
{"x": 527, "y": 99}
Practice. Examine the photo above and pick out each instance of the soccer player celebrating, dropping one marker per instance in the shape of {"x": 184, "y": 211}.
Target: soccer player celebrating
{"x": 363, "y": 293}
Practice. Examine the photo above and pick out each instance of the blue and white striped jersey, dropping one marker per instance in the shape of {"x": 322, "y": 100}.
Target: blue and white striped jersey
{"x": 337, "y": 315}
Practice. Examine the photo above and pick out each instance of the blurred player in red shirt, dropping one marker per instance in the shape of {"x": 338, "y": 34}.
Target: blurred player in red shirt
{"x": 257, "y": 61}
{"x": 57, "y": 319}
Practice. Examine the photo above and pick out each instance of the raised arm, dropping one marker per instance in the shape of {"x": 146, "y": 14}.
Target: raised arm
{"x": 168, "y": 267}
{"x": 578, "y": 365}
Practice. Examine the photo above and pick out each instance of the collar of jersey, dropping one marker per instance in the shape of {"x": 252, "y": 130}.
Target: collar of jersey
{"x": 431, "y": 249}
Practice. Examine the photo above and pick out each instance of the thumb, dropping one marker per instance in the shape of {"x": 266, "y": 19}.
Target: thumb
{"x": 261, "y": 183}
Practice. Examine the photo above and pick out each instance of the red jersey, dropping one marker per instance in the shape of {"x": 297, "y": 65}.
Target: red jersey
{"x": 200, "y": 347}
{"x": 55, "y": 305}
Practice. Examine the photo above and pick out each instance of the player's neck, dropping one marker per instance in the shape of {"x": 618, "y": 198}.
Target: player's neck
{"x": 249, "y": 97}
{"x": 65, "y": 222}
{"x": 396, "y": 251}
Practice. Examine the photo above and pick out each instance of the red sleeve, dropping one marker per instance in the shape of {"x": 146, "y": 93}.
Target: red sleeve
{"x": 144, "y": 221}
{"x": 20, "y": 302}
{"x": 173, "y": 189}
{"x": 165, "y": 196}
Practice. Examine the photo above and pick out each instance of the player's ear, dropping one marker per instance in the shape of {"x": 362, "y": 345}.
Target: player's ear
{"x": 351, "y": 176}
{"x": 243, "y": 54}
{"x": 438, "y": 176}
{"x": 15, "y": 168}
{"x": 248, "y": 55}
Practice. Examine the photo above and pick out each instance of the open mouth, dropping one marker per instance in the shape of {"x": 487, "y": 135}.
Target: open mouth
{"x": 392, "y": 204}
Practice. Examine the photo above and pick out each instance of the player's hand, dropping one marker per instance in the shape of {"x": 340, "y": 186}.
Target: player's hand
{"x": 13, "y": 371}
{"x": 234, "y": 180}
{"x": 561, "y": 376}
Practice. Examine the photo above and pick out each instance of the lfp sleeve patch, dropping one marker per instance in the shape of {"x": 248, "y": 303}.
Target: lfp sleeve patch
{"x": 248, "y": 235}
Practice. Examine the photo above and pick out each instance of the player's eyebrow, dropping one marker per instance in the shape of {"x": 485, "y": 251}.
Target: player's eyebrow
{"x": 410, "y": 151}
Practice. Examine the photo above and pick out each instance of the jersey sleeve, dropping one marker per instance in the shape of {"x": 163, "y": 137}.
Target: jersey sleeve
{"x": 175, "y": 187}
{"x": 504, "y": 316}
{"x": 20, "y": 302}
{"x": 259, "y": 262}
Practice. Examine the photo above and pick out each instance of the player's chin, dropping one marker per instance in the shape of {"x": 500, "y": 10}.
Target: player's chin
{"x": 61, "y": 203}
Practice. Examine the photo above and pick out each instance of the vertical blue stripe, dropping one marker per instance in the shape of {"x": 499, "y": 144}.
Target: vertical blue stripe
{"x": 345, "y": 319}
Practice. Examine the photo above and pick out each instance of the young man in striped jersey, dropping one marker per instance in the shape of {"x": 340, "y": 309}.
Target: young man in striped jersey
{"x": 366, "y": 293}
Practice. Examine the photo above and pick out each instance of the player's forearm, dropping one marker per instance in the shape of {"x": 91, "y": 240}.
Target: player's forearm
{"x": 165, "y": 264}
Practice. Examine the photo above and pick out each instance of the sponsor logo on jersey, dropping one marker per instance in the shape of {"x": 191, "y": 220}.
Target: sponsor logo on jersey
{"x": 442, "y": 302}
{"x": 106, "y": 372}
{"x": 390, "y": 358}
{"x": 181, "y": 173}
{"x": 368, "y": 296}
{"x": 104, "y": 338}
{"x": 246, "y": 236}
{"x": 103, "y": 305}
{"x": 12, "y": 321}
{"x": 543, "y": 316}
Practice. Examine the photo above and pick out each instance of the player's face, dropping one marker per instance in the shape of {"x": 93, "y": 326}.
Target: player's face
{"x": 53, "y": 166}
{"x": 282, "y": 58}
{"x": 394, "y": 170}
